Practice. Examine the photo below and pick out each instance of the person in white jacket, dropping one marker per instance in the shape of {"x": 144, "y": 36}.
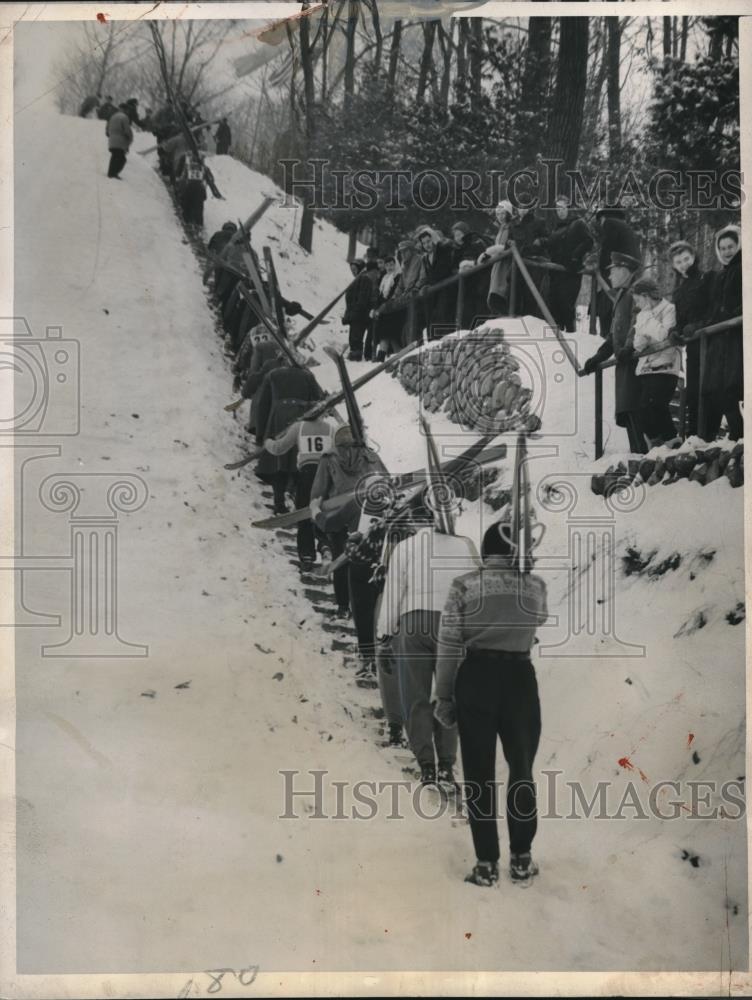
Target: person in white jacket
{"x": 658, "y": 371}
{"x": 420, "y": 574}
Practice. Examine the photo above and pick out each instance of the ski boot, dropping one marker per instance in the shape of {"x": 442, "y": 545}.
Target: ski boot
{"x": 485, "y": 873}
{"x": 446, "y": 780}
{"x": 395, "y": 740}
{"x": 326, "y": 561}
{"x": 522, "y": 868}
{"x": 306, "y": 564}
{"x": 427, "y": 774}
{"x": 365, "y": 675}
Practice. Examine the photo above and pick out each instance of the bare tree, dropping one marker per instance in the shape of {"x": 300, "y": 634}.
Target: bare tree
{"x": 568, "y": 102}
{"x": 613, "y": 60}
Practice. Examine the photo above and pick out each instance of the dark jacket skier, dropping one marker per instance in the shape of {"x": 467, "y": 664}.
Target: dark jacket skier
{"x": 360, "y": 299}
{"x": 89, "y": 104}
{"x": 107, "y": 110}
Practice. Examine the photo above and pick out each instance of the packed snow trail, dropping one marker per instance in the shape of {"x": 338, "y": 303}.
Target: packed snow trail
{"x": 149, "y": 835}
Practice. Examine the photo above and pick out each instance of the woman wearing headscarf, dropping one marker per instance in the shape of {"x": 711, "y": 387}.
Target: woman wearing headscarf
{"x": 498, "y": 284}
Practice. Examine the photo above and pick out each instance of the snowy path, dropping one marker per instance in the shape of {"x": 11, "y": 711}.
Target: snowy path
{"x": 148, "y": 829}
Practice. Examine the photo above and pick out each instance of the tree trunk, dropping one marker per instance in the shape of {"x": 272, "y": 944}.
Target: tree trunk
{"x": 613, "y": 55}
{"x": 534, "y": 90}
{"x": 376, "y": 21}
{"x": 596, "y": 83}
{"x": 447, "y": 46}
{"x": 666, "y": 37}
{"x": 352, "y": 23}
{"x": 394, "y": 52}
{"x": 475, "y": 41}
{"x": 426, "y": 60}
{"x": 460, "y": 82}
{"x": 305, "y": 237}
{"x": 684, "y": 33}
{"x": 568, "y": 102}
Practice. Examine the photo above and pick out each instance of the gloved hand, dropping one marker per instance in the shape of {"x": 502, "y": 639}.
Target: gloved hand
{"x": 625, "y": 354}
{"x": 445, "y": 712}
{"x": 315, "y": 508}
{"x": 293, "y": 308}
{"x": 589, "y": 367}
{"x": 465, "y": 264}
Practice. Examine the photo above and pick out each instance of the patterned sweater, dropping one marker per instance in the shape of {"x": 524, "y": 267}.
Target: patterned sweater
{"x": 494, "y": 607}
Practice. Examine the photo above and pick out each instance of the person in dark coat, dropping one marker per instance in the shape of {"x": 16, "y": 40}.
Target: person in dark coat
{"x": 107, "y": 110}
{"x": 284, "y": 395}
{"x": 722, "y": 384}
{"x": 528, "y": 233}
{"x": 223, "y": 137}
{"x": 191, "y": 189}
{"x": 690, "y": 298}
{"x": 360, "y": 299}
{"x": 89, "y": 104}
{"x": 623, "y": 272}
{"x": 438, "y": 264}
{"x": 615, "y": 235}
{"x": 568, "y": 244}
{"x": 374, "y": 275}
{"x": 132, "y": 110}
{"x": 468, "y": 246}
{"x": 119, "y": 138}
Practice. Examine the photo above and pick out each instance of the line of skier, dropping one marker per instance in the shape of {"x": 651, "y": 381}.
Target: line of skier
{"x": 444, "y": 626}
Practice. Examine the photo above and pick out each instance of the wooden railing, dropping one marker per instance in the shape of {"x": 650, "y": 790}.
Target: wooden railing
{"x": 701, "y": 335}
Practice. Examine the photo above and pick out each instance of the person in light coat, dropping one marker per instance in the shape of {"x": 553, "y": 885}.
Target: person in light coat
{"x": 119, "y": 138}
{"x": 421, "y": 571}
{"x": 657, "y": 372}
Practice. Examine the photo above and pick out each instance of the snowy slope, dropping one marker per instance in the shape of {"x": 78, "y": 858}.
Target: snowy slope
{"x": 149, "y": 835}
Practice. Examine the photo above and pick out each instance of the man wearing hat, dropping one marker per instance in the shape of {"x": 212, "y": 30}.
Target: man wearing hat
{"x": 360, "y": 298}
{"x": 623, "y": 271}
{"x": 615, "y": 235}
{"x": 468, "y": 246}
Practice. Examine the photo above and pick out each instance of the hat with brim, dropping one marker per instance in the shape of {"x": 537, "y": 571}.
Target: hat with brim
{"x": 406, "y": 245}
{"x": 624, "y": 260}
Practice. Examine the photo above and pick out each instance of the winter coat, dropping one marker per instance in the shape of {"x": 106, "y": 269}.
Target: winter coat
{"x": 529, "y": 235}
{"x": 421, "y": 571}
{"x": 471, "y": 247}
{"x": 133, "y": 114}
{"x": 220, "y": 239}
{"x": 387, "y": 286}
{"x": 119, "y": 131}
{"x": 338, "y": 473}
{"x": 627, "y": 386}
{"x": 724, "y": 360}
{"x": 690, "y": 296}
{"x": 223, "y": 136}
{"x": 616, "y": 236}
{"x": 312, "y": 438}
{"x": 438, "y": 264}
{"x": 652, "y": 326}
{"x": 285, "y": 394}
{"x": 360, "y": 299}
{"x": 498, "y": 281}
{"x": 412, "y": 277}
{"x": 569, "y": 242}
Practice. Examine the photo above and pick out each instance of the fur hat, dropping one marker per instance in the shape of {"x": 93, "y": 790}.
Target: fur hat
{"x": 462, "y": 226}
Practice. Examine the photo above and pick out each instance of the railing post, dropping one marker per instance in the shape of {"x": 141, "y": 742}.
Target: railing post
{"x": 513, "y": 288}
{"x": 598, "y": 412}
{"x": 701, "y": 381}
{"x": 460, "y": 311}
{"x": 593, "y": 305}
{"x": 412, "y": 313}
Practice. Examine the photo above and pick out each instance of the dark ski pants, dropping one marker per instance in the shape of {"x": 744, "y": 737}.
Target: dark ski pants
{"x": 716, "y": 406}
{"x": 629, "y": 421}
{"x": 337, "y": 541}
{"x": 692, "y": 388}
{"x": 389, "y": 683}
{"x": 357, "y": 332}
{"x": 363, "y": 606}
{"x": 278, "y": 482}
{"x": 307, "y": 532}
{"x": 654, "y": 416}
{"x": 497, "y": 696}
{"x": 117, "y": 162}
{"x": 564, "y": 291}
{"x": 414, "y": 647}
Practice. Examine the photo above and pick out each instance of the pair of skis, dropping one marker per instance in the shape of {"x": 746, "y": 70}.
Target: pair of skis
{"x": 519, "y": 532}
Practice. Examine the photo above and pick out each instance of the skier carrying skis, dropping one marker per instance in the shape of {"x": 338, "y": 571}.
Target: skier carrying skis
{"x": 421, "y": 571}
{"x": 486, "y": 685}
{"x": 313, "y": 439}
{"x": 283, "y": 396}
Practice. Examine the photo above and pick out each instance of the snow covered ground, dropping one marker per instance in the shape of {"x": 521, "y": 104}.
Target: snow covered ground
{"x": 149, "y": 836}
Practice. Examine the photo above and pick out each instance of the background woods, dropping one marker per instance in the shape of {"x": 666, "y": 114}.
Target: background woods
{"x": 365, "y": 91}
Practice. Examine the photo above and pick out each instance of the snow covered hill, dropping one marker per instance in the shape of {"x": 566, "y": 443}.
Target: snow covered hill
{"x": 149, "y": 829}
